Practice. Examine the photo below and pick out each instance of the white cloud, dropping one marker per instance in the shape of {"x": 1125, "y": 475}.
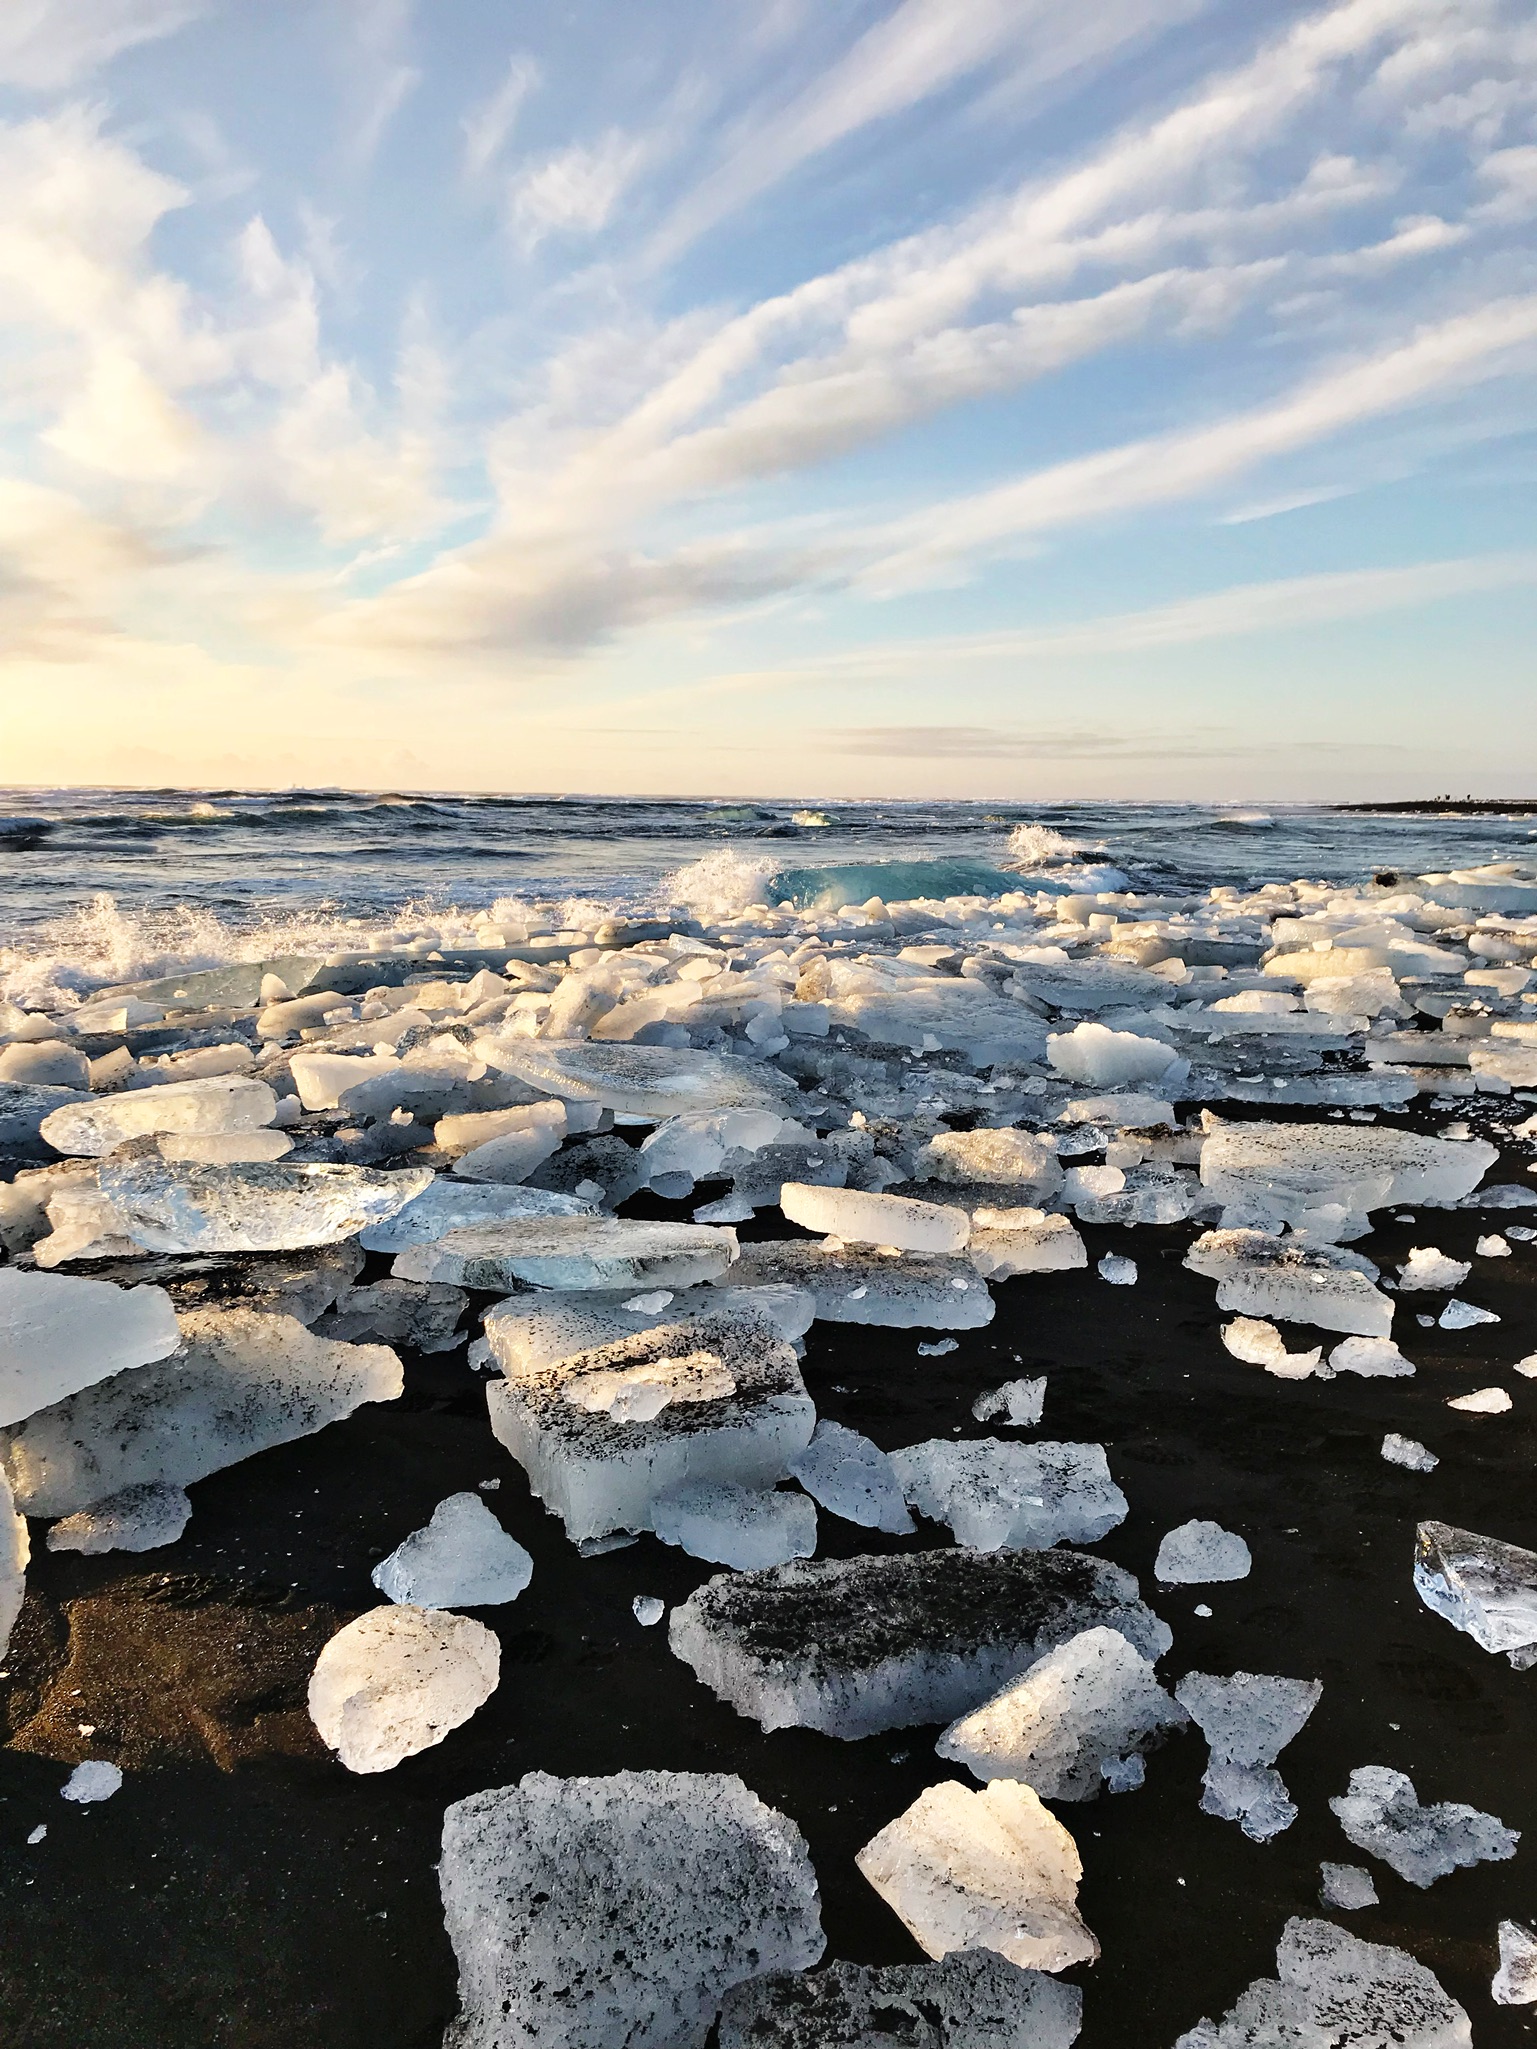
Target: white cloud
{"x": 48, "y": 45}
{"x": 488, "y": 126}
{"x": 573, "y": 191}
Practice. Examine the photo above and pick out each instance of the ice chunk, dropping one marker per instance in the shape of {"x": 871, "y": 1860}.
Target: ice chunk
{"x": 1426, "y": 1267}
{"x": 1064, "y": 1726}
{"x": 252, "y": 1207}
{"x": 853, "y": 1478}
{"x": 853, "y": 1646}
{"x": 43, "y": 1063}
{"x": 991, "y": 1870}
{"x": 648, "y": 1610}
{"x": 1381, "y": 1813}
{"x": 1481, "y": 1586}
{"x": 23, "y": 1110}
{"x": 1335, "y": 1992}
{"x": 1299, "y": 1282}
{"x": 1101, "y": 1058}
{"x": 323, "y": 1078}
{"x": 513, "y": 1154}
{"x": 1006, "y": 1242}
{"x": 1409, "y": 1452}
{"x": 701, "y": 1887}
{"x": 1372, "y": 1358}
{"x": 1119, "y": 1272}
{"x": 1259, "y": 1343}
{"x": 998, "y": 1158}
{"x": 1126, "y": 1111}
{"x": 1484, "y": 1401}
{"x": 1201, "y": 1554}
{"x": 1018, "y": 1496}
{"x": 140, "y": 1518}
{"x": 1248, "y": 1720}
{"x": 217, "y": 1148}
{"x": 1492, "y": 1246}
{"x": 95, "y": 1779}
{"x": 15, "y": 1552}
{"x": 1515, "y": 1982}
{"x": 425, "y": 1318}
{"x": 397, "y": 1680}
{"x": 225, "y": 1102}
{"x": 602, "y": 1433}
{"x": 571, "y": 1252}
{"x": 644, "y": 1081}
{"x": 59, "y": 1334}
{"x": 446, "y": 1206}
{"x": 876, "y": 1219}
{"x": 745, "y": 1528}
{"x": 240, "y": 1383}
{"x": 1019, "y": 1402}
{"x": 462, "y": 1558}
{"x": 1346, "y": 1886}
{"x": 1280, "y": 1171}
{"x": 859, "y": 1285}
{"x": 1464, "y": 1315}
{"x": 970, "y": 1999}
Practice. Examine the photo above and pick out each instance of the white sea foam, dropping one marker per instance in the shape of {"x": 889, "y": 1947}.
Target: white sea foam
{"x": 721, "y": 882}
{"x": 1039, "y": 846}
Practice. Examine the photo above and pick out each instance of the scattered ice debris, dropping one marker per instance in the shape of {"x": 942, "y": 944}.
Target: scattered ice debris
{"x": 571, "y": 1252}
{"x": 1248, "y": 1720}
{"x": 93, "y": 1780}
{"x": 137, "y": 1518}
{"x": 1006, "y": 1242}
{"x": 1381, "y": 1814}
{"x": 853, "y": 1478}
{"x": 462, "y": 1558}
{"x": 1372, "y": 1358}
{"x": 1515, "y": 1982}
{"x": 1258, "y": 1343}
{"x": 1294, "y": 1279}
{"x": 1077, "y": 1720}
{"x": 59, "y": 1334}
{"x": 1346, "y": 1886}
{"x": 995, "y": 1494}
{"x": 1409, "y": 1452}
{"x": 1463, "y": 1315}
{"x": 1200, "y": 1554}
{"x": 1119, "y": 1272}
{"x": 1428, "y": 1268}
{"x": 745, "y": 1528}
{"x": 36, "y": 1836}
{"x": 1484, "y": 1401}
{"x": 397, "y": 1680}
{"x": 1492, "y": 1247}
{"x": 853, "y": 1646}
{"x": 701, "y": 1886}
{"x": 970, "y": 1999}
{"x": 1481, "y": 1586}
{"x": 991, "y": 1870}
{"x": 648, "y": 1610}
{"x": 1333, "y": 1991}
{"x": 1019, "y": 1402}
{"x": 15, "y": 1553}
{"x": 603, "y": 1433}
{"x": 240, "y": 1383}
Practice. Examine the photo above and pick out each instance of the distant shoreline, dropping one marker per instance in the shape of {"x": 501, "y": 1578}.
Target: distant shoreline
{"x": 1450, "y": 807}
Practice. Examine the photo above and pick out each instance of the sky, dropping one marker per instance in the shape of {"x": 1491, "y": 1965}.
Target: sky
{"x": 1010, "y": 398}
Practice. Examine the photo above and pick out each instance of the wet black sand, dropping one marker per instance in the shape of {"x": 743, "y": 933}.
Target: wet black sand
{"x": 244, "y": 1892}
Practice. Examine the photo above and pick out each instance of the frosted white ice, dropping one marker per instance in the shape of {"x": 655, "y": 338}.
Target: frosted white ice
{"x": 1515, "y": 1982}
{"x": 971, "y": 1999}
{"x": 15, "y": 1552}
{"x": 1381, "y": 1814}
{"x": 994, "y": 1494}
{"x": 745, "y": 1528}
{"x": 1259, "y": 1343}
{"x": 1408, "y": 1452}
{"x": 462, "y": 1558}
{"x": 59, "y": 1333}
{"x": 1346, "y": 1886}
{"x": 225, "y": 1102}
{"x": 862, "y": 1219}
{"x": 1019, "y": 1402}
{"x": 571, "y": 1252}
{"x": 397, "y": 1680}
{"x": 1201, "y": 1554}
{"x": 93, "y": 1780}
{"x": 847, "y": 1474}
{"x": 1428, "y": 1268}
{"x": 141, "y": 1518}
{"x": 1248, "y": 1720}
{"x": 1101, "y": 1058}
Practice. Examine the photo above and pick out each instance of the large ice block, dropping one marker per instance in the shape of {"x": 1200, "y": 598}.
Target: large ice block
{"x": 225, "y": 1102}
{"x": 853, "y": 1478}
{"x": 571, "y": 1252}
{"x": 863, "y": 1219}
{"x": 59, "y": 1334}
{"x": 639, "y": 1081}
{"x": 1281, "y": 1171}
{"x": 970, "y": 1999}
{"x": 250, "y": 1206}
{"x": 445, "y": 1205}
{"x": 996, "y": 1494}
{"x": 1016, "y": 1159}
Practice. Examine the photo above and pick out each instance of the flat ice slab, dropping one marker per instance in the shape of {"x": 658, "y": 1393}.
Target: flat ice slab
{"x": 918, "y": 1291}
{"x": 1480, "y": 1585}
{"x": 852, "y": 1646}
{"x": 1381, "y": 1813}
{"x": 572, "y": 1252}
{"x": 639, "y": 1081}
{"x": 1286, "y": 1169}
{"x": 603, "y": 1433}
{"x": 448, "y": 1205}
{"x": 852, "y": 1477}
{"x": 462, "y": 1558}
{"x": 397, "y": 1680}
{"x": 698, "y": 1886}
{"x": 249, "y": 1206}
{"x": 898, "y": 1220}
{"x": 59, "y": 1333}
{"x": 135, "y": 1519}
{"x": 1300, "y": 1282}
{"x": 970, "y": 1999}
{"x": 1335, "y": 1992}
{"x": 225, "y": 1102}
{"x": 991, "y": 1870}
{"x": 1006, "y": 1242}
{"x": 993, "y": 1493}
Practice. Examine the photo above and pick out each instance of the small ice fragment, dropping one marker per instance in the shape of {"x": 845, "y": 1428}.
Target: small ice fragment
{"x": 1493, "y": 1247}
{"x": 1463, "y": 1315}
{"x": 140, "y": 1518}
{"x": 1248, "y": 1720}
{"x": 1202, "y": 1610}
{"x": 488, "y": 1486}
{"x": 1381, "y": 1813}
{"x": 1259, "y": 1343}
{"x": 1408, "y": 1451}
{"x": 995, "y": 1494}
{"x": 1119, "y": 1272}
{"x": 1347, "y": 1886}
{"x": 397, "y": 1680}
{"x": 852, "y": 1477}
{"x": 1372, "y": 1358}
{"x": 37, "y": 1834}
{"x": 463, "y": 1558}
{"x": 990, "y": 1870}
{"x": 1528, "y": 1366}
{"x": 648, "y": 1610}
{"x": 1201, "y": 1553}
{"x": 1479, "y": 1584}
{"x": 1484, "y": 1401}
{"x": 1019, "y": 1402}
{"x": 1427, "y": 1267}
{"x": 648, "y": 1305}
{"x": 93, "y": 1780}
{"x": 1515, "y": 1982}
{"x": 939, "y": 1348}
